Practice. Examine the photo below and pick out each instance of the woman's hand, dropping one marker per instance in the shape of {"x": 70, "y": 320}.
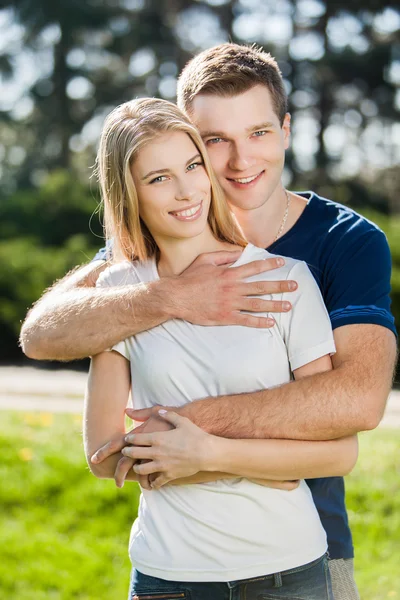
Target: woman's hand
{"x": 171, "y": 454}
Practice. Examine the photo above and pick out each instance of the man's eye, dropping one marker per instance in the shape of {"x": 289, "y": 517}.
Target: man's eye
{"x": 259, "y": 133}
{"x": 158, "y": 179}
{"x": 216, "y": 140}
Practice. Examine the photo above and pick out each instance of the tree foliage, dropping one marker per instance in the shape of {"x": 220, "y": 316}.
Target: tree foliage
{"x": 65, "y": 64}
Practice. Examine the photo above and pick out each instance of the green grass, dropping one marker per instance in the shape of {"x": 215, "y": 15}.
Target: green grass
{"x": 373, "y": 500}
{"x": 64, "y": 534}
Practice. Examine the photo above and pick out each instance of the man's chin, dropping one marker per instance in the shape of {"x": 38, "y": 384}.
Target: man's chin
{"x": 246, "y": 204}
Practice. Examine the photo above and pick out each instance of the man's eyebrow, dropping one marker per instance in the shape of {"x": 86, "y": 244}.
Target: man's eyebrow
{"x": 222, "y": 134}
{"x": 205, "y": 134}
{"x": 266, "y": 125}
{"x": 161, "y": 171}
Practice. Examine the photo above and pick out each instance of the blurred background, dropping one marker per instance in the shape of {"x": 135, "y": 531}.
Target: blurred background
{"x": 64, "y": 65}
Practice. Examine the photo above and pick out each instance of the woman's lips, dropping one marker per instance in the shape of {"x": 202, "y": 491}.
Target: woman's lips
{"x": 188, "y": 214}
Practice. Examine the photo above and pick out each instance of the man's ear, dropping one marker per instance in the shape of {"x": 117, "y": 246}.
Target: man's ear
{"x": 286, "y": 130}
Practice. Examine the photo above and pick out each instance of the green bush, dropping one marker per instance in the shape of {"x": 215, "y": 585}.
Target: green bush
{"x": 391, "y": 227}
{"x": 27, "y": 269}
{"x": 44, "y": 233}
{"x": 62, "y": 207}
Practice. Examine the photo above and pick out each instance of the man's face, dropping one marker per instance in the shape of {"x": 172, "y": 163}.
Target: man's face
{"x": 245, "y": 142}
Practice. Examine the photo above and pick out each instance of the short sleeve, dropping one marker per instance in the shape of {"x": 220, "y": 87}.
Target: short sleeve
{"x": 358, "y": 283}
{"x": 306, "y": 329}
{"x": 104, "y": 253}
{"x": 105, "y": 280}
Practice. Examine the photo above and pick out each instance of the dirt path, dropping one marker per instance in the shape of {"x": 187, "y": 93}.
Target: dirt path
{"x": 35, "y": 389}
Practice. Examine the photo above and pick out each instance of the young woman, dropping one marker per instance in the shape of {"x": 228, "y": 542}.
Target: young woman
{"x": 230, "y": 536}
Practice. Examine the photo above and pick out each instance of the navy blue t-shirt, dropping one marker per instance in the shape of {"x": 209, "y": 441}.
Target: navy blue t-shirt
{"x": 350, "y": 259}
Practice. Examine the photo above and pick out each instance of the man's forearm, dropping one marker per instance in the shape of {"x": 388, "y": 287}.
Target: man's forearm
{"x": 83, "y": 321}
{"x": 321, "y": 407}
{"x": 285, "y": 412}
{"x": 325, "y": 406}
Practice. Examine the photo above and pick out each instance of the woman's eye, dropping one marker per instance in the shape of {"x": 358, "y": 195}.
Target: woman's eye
{"x": 158, "y": 179}
{"x": 194, "y": 165}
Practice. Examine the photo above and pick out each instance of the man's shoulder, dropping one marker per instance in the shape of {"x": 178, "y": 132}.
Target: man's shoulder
{"x": 336, "y": 218}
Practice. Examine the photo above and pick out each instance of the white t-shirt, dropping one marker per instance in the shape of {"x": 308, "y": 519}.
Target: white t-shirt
{"x": 230, "y": 529}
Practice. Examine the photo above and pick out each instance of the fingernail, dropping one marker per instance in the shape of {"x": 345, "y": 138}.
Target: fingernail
{"x": 129, "y": 438}
{"x": 94, "y": 458}
{"x": 270, "y": 322}
{"x": 292, "y": 285}
{"x": 280, "y": 262}
{"x": 162, "y": 412}
{"x": 286, "y": 306}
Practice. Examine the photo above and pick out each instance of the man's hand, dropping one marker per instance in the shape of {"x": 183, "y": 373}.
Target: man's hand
{"x": 211, "y": 292}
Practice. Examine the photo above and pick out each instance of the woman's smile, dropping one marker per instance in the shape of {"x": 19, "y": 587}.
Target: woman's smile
{"x": 188, "y": 214}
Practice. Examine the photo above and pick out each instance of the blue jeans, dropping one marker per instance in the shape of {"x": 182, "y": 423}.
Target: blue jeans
{"x": 307, "y": 582}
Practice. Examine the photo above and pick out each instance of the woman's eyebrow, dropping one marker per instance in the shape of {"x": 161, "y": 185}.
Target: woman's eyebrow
{"x": 159, "y": 171}
{"x": 193, "y": 158}
{"x": 150, "y": 173}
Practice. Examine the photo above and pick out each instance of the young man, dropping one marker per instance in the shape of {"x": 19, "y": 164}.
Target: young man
{"x": 235, "y": 95}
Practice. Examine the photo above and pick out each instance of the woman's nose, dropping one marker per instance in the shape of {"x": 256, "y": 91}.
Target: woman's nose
{"x": 185, "y": 193}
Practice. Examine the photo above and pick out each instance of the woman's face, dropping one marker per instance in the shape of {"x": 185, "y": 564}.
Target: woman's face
{"x": 173, "y": 187}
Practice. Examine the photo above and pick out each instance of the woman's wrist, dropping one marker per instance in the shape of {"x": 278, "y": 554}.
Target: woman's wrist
{"x": 212, "y": 453}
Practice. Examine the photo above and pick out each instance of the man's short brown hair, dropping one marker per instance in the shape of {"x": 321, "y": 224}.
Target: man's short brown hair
{"x": 228, "y": 70}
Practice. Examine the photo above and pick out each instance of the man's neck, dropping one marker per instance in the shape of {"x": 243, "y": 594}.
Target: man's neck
{"x": 261, "y": 226}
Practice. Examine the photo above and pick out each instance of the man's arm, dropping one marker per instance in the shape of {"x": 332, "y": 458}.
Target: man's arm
{"x": 338, "y": 403}
{"x": 324, "y": 406}
{"x": 74, "y": 319}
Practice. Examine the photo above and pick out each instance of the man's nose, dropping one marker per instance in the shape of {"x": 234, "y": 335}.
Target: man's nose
{"x": 239, "y": 159}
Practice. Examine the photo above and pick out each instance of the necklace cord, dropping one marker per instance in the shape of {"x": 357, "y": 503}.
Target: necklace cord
{"x": 285, "y": 216}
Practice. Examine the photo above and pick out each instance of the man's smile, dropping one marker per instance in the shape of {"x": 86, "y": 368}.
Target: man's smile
{"x": 246, "y": 181}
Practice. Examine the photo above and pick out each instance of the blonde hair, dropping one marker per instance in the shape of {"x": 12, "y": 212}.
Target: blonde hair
{"x": 127, "y": 129}
{"x": 230, "y": 69}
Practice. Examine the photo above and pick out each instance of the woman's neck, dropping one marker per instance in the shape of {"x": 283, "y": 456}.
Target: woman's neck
{"x": 177, "y": 254}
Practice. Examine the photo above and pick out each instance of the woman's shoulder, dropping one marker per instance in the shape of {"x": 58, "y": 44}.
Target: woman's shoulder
{"x": 124, "y": 273}
{"x": 253, "y": 253}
